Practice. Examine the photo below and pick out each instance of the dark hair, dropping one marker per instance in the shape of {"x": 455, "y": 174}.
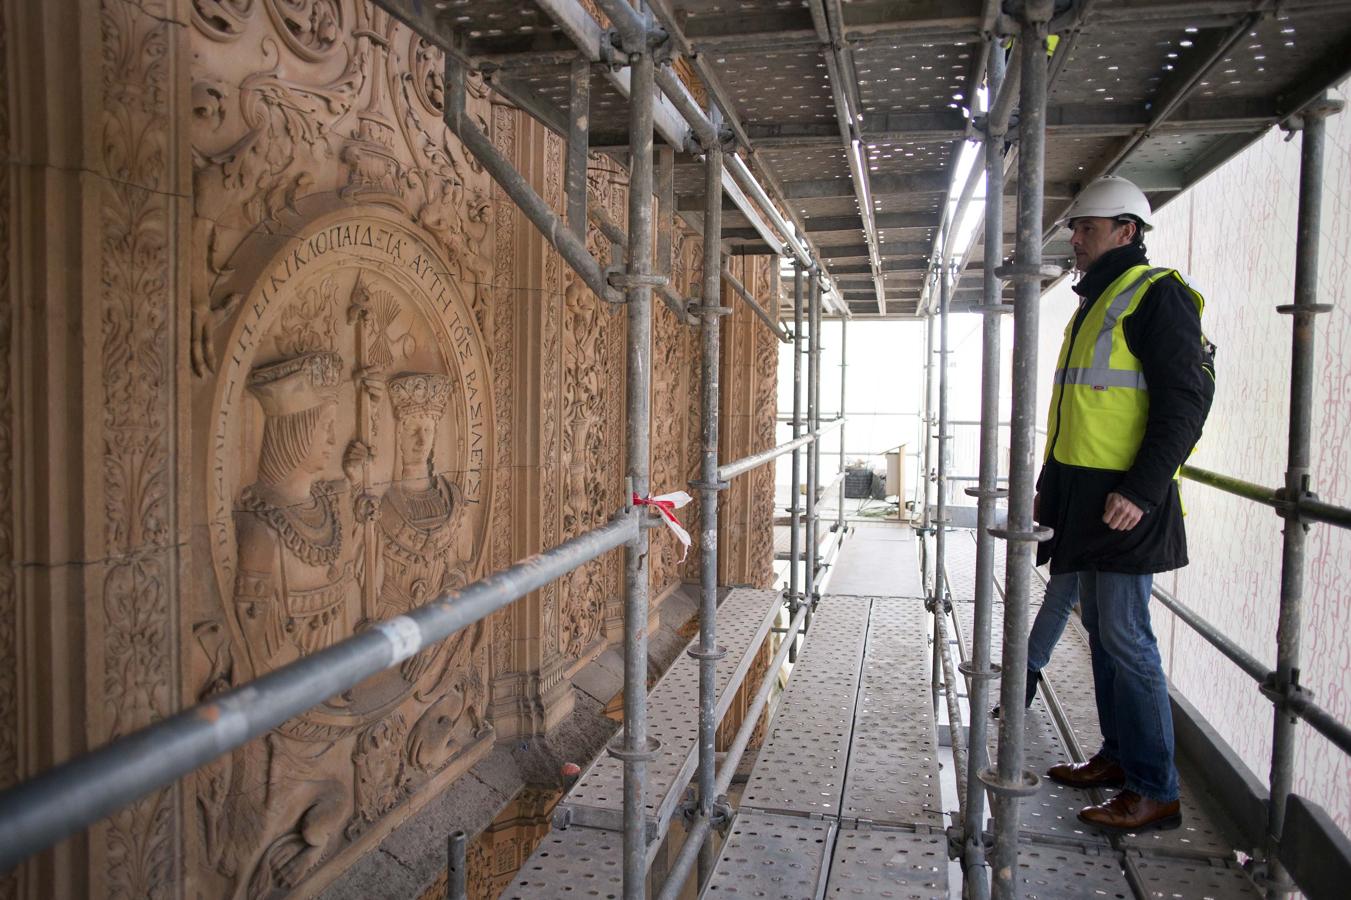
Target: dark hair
{"x": 1138, "y": 239}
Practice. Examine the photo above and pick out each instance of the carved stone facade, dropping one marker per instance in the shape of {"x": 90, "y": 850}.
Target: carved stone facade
{"x": 749, "y": 379}
{"x": 278, "y": 360}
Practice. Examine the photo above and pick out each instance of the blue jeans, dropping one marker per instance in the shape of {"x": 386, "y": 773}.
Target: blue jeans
{"x": 1062, "y": 592}
{"x": 1128, "y": 680}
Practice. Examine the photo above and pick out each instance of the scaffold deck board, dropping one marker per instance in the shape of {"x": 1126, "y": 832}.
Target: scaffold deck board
{"x": 773, "y": 857}
{"x": 1185, "y": 879}
{"x": 888, "y": 863}
{"x": 892, "y": 776}
{"x": 877, "y": 561}
{"x": 580, "y": 862}
{"x": 812, "y": 727}
{"x": 596, "y": 801}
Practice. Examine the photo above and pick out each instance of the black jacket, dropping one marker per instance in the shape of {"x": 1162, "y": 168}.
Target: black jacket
{"x": 1165, "y": 333}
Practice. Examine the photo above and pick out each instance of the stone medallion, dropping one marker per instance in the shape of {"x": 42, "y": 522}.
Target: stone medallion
{"x": 351, "y": 428}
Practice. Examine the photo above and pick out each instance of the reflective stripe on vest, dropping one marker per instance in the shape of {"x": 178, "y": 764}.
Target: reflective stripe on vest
{"x": 1100, "y": 404}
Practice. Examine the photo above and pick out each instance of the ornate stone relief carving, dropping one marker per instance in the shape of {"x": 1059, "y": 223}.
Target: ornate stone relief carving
{"x": 135, "y": 333}
{"x": 351, "y": 433}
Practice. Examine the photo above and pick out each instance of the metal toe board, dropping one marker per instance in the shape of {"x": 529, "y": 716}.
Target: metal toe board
{"x": 773, "y": 857}
{"x": 889, "y": 863}
{"x": 596, "y": 801}
{"x": 893, "y": 766}
{"x": 809, "y": 737}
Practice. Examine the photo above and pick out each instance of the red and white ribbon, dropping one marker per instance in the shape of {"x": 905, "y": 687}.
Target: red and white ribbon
{"x": 664, "y": 504}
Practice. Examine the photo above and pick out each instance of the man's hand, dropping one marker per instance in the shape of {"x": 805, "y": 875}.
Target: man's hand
{"x": 1120, "y": 514}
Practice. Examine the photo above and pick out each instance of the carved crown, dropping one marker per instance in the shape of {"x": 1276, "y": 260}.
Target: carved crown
{"x": 297, "y": 384}
{"x": 420, "y": 394}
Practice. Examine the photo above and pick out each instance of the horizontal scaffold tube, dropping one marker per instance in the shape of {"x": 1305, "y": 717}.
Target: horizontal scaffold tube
{"x": 37, "y": 813}
{"x": 694, "y": 838}
{"x": 755, "y": 460}
{"x": 569, "y": 246}
{"x": 1312, "y": 510}
{"x": 740, "y": 290}
{"x": 1301, "y": 703}
{"x": 616, "y": 235}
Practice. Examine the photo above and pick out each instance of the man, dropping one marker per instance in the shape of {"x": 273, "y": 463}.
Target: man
{"x": 1133, "y": 385}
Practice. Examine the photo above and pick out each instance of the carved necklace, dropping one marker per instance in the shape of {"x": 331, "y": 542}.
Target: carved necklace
{"x": 316, "y": 544}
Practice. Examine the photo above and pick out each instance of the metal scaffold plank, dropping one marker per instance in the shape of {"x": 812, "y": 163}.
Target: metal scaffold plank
{"x": 1067, "y": 873}
{"x": 773, "y": 857}
{"x": 814, "y": 721}
{"x": 893, "y": 768}
{"x": 887, "y": 863}
{"x": 582, "y": 862}
{"x": 1182, "y": 879}
{"x": 596, "y": 801}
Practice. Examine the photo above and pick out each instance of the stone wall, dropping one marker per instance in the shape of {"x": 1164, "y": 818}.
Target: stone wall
{"x": 278, "y": 360}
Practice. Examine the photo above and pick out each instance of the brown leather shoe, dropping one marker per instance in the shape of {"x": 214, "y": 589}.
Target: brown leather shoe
{"x": 1097, "y": 772}
{"x": 1128, "y": 811}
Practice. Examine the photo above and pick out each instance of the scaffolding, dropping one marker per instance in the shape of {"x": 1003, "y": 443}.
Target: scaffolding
{"x": 633, "y": 54}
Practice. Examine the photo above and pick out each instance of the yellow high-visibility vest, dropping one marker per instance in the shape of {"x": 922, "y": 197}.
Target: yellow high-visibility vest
{"x": 1100, "y": 402}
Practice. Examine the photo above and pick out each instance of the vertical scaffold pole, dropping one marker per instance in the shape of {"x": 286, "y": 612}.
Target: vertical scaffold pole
{"x": 927, "y": 432}
{"x": 710, "y": 313}
{"x": 940, "y": 520}
{"x": 844, "y": 367}
{"x": 795, "y": 502}
{"x": 987, "y": 492}
{"x": 1298, "y": 480}
{"x": 636, "y": 746}
{"x": 813, "y": 425}
{"x": 1011, "y": 781}
{"x": 579, "y": 129}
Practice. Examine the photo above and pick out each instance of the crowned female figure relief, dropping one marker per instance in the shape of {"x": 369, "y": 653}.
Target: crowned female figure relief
{"x": 425, "y": 543}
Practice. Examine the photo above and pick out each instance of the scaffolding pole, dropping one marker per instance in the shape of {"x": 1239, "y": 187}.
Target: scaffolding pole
{"x": 813, "y": 423}
{"x": 979, "y": 671}
{"x": 795, "y": 502}
{"x": 1298, "y": 483}
{"x": 1011, "y": 781}
{"x": 710, "y": 313}
{"x": 844, "y": 367}
{"x": 636, "y": 749}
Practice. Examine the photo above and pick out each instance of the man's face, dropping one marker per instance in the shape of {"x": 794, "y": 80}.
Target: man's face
{"x": 1092, "y": 236}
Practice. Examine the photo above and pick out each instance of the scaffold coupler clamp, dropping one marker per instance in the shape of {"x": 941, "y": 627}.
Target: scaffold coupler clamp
{"x": 697, "y": 308}
{"x": 968, "y": 668}
{"x": 616, "y": 749}
{"x": 721, "y": 817}
{"x": 956, "y": 836}
{"x": 1037, "y": 535}
{"x": 1027, "y": 786}
{"x": 1283, "y": 697}
{"x": 715, "y": 654}
{"x": 620, "y": 277}
{"x": 1288, "y": 508}
{"x": 701, "y": 485}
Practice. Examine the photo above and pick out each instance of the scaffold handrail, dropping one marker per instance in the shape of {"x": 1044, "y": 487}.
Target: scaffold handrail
{"x": 1300, "y": 701}
{"x": 44, "y": 809}
{"x": 756, "y": 460}
{"x": 1304, "y": 508}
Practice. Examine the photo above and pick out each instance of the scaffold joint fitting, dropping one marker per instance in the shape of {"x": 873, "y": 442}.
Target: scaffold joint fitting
{"x": 1037, "y": 535}
{"x": 616, "y": 749}
{"x": 968, "y": 668}
{"x": 1027, "y": 787}
{"x": 715, "y": 654}
{"x": 1025, "y": 272}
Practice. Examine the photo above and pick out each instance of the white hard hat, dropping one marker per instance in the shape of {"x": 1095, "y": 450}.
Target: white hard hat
{"x": 1111, "y": 197}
